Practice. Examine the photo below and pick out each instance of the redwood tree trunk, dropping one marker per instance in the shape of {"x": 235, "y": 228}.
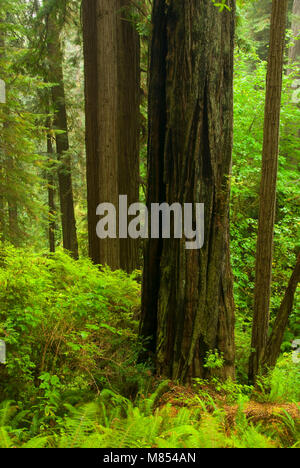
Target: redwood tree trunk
{"x": 51, "y": 193}
{"x": 272, "y": 350}
{"x": 2, "y": 168}
{"x": 112, "y": 87}
{"x": 187, "y": 304}
{"x": 62, "y": 140}
{"x": 13, "y": 223}
{"x": 128, "y": 124}
{"x": 264, "y": 254}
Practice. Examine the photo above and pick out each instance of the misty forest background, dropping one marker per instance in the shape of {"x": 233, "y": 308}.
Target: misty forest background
{"x": 142, "y": 343}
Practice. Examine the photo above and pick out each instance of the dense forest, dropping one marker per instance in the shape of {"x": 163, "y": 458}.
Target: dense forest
{"x": 149, "y": 224}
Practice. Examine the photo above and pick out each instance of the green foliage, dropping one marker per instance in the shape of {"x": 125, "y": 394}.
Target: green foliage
{"x": 222, "y": 4}
{"x": 247, "y": 435}
{"x": 214, "y": 360}
{"x": 291, "y": 426}
{"x": 285, "y": 379}
{"x": 250, "y": 73}
{"x": 282, "y": 383}
{"x": 112, "y": 421}
{"x": 71, "y": 328}
{"x": 72, "y": 347}
{"x": 21, "y": 163}
{"x": 66, "y": 318}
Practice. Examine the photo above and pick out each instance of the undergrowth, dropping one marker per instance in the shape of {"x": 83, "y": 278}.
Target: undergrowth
{"x": 112, "y": 421}
{"x": 73, "y": 378}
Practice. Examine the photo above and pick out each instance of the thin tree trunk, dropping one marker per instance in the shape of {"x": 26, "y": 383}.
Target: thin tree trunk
{"x": 2, "y": 205}
{"x": 111, "y": 52}
{"x": 187, "y": 304}
{"x": 272, "y": 350}
{"x": 51, "y": 192}
{"x": 89, "y": 12}
{"x": 264, "y": 254}
{"x": 294, "y": 57}
{"x": 62, "y": 140}
{"x": 2, "y": 200}
{"x": 13, "y": 224}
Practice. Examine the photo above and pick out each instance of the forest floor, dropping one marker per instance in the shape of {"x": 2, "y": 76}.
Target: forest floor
{"x": 266, "y": 413}
{"x": 180, "y": 396}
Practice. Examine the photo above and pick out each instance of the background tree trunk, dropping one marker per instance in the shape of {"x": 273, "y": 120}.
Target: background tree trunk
{"x": 62, "y": 140}
{"x": 51, "y": 191}
{"x": 128, "y": 124}
{"x": 112, "y": 88}
{"x": 264, "y": 254}
{"x": 187, "y": 305}
{"x": 294, "y": 57}
{"x": 294, "y": 52}
{"x": 2, "y": 169}
{"x": 13, "y": 223}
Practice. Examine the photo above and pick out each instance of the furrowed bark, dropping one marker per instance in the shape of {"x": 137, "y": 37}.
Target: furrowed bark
{"x": 188, "y": 293}
{"x": 112, "y": 87}
{"x": 128, "y": 123}
{"x": 91, "y": 118}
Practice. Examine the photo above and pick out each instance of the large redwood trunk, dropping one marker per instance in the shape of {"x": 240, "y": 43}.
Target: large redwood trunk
{"x": 187, "y": 305}
{"x": 112, "y": 87}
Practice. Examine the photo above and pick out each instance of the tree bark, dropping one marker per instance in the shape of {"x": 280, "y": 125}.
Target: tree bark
{"x": 294, "y": 52}
{"x": 272, "y": 350}
{"x": 128, "y": 124}
{"x": 62, "y": 140}
{"x": 187, "y": 303}
{"x": 112, "y": 87}
{"x": 264, "y": 254}
{"x": 2, "y": 169}
{"x": 13, "y": 223}
{"x": 51, "y": 191}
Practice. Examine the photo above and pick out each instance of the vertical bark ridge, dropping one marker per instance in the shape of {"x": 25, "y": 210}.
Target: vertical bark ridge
{"x": 112, "y": 89}
{"x": 189, "y": 293}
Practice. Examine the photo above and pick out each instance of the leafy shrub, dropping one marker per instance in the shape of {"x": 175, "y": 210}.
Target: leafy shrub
{"x": 67, "y": 319}
{"x": 285, "y": 379}
{"x": 282, "y": 384}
